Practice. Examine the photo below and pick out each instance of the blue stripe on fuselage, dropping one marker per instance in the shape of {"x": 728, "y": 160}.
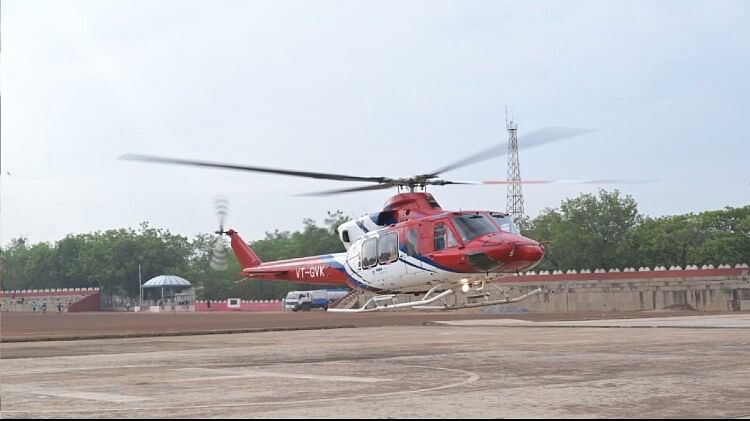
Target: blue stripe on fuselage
{"x": 412, "y": 264}
{"x": 335, "y": 265}
{"x": 362, "y": 227}
{"x": 426, "y": 260}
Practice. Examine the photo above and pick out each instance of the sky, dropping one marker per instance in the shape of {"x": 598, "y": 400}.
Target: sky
{"x": 370, "y": 88}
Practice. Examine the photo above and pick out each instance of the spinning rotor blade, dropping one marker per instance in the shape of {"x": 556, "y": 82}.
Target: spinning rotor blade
{"x": 350, "y": 190}
{"x": 536, "y": 138}
{"x": 218, "y": 257}
{"x": 441, "y": 182}
{"x": 568, "y": 182}
{"x": 308, "y": 174}
{"x": 221, "y": 203}
{"x": 218, "y": 260}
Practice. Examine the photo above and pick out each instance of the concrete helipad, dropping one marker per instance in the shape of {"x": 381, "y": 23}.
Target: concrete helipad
{"x": 398, "y": 371}
{"x": 728, "y": 321}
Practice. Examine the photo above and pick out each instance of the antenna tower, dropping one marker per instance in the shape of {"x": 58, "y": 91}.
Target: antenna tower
{"x": 514, "y": 198}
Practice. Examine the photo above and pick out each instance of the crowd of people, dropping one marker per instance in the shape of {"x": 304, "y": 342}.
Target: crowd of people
{"x": 42, "y": 307}
{"x": 162, "y": 304}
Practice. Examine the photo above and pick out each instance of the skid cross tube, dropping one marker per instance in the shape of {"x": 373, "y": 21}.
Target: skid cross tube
{"x": 423, "y": 304}
{"x": 484, "y": 303}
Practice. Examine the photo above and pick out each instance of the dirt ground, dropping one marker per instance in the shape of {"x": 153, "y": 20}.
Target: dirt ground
{"x": 36, "y": 326}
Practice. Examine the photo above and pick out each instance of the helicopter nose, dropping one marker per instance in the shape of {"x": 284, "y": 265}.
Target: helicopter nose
{"x": 529, "y": 252}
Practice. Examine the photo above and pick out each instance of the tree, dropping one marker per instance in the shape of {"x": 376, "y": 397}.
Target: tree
{"x": 586, "y": 231}
{"x": 589, "y": 231}
{"x": 711, "y": 237}
{"x": 15, "y": 260}
{"x": 108, "y": 260}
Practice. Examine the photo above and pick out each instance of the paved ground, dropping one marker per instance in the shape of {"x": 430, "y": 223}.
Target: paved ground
{"x": 726, "y": 321}
{"x": 15, "y": 326}
{"x": 395, "y": 371}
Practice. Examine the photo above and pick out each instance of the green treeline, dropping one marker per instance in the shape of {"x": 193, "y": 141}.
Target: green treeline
{"x": 109, "y": 260}
{"x": 589, "y": 231}
{"x": 607, "y": 231}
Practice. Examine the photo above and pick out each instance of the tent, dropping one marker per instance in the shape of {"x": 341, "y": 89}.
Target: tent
{"x": 166, "y": 281}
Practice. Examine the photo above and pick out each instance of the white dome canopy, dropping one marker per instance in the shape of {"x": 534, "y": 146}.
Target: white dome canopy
{"x": 167, "y": 281}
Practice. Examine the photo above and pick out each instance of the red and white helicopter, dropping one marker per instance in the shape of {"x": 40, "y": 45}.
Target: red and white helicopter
{"x": 412, "y": 245}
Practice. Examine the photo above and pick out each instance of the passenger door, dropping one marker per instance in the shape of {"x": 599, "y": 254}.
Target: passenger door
{"x": 390, "y": 269}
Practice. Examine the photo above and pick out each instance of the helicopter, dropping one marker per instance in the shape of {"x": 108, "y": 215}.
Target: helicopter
{"x": 412, "y": 245}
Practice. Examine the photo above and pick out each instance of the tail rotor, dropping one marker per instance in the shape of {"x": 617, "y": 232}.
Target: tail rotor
{"x": 218, "y": 259}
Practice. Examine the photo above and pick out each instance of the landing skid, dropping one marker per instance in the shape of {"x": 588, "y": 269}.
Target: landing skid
{"x": 388, "y": 302}
{"x": 485, "y": 303}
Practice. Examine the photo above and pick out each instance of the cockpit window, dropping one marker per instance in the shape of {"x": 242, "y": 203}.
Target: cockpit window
{"x": 505, "y": 223}
{"x": 443, "y": 237}
{"x": 473, "y": 226}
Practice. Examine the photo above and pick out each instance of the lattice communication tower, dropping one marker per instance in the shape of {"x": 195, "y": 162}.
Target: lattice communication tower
{"x": 514, "y": 197}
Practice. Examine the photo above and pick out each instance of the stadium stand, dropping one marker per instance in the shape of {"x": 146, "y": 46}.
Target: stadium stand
{"x": 74, "y": 299}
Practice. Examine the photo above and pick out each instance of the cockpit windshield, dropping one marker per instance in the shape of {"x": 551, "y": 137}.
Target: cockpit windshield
{"x": 506, "y": 224}
{"x": 473, "y": 226}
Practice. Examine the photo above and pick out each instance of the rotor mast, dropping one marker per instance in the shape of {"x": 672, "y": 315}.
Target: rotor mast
{"x": 514, "y": 196}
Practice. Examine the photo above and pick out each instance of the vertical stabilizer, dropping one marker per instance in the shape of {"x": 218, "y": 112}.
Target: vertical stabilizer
{"x": 245, "y": 255}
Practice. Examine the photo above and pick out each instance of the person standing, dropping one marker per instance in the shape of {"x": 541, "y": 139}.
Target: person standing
{"x": 59, "y": 308}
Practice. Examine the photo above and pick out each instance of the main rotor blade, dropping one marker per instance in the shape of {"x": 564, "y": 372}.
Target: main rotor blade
{"x": 308, "y": 174}
{"x": 440, "y": 182}
{"x": 535, "y": 138}
{"x": 610, "y": 181}
{"x": 351, "y": 190}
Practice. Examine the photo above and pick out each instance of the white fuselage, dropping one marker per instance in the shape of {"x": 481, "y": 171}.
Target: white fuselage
{"x": 406, "y": 274}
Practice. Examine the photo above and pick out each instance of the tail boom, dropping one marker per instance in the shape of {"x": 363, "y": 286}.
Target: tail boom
{"x": 317, "y": 270}
{"x": 314, "y": 270}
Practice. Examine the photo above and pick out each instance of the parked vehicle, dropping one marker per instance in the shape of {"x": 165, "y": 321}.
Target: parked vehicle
{"x": 308, "y": 300}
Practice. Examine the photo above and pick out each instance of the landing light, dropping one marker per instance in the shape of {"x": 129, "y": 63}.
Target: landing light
{"x": 464, "y": 284}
